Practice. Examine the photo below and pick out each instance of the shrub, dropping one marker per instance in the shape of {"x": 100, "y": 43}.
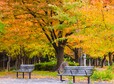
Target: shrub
{"x": 48, "y": 66}
{"x": 105, "y": 75}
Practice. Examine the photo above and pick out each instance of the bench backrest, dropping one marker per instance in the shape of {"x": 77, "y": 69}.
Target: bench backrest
{"x": 78, "y": 70}
{"x": 27, "y": 67}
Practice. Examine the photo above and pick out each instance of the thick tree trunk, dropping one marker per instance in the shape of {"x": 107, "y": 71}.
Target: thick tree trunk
{"x": 102, "y": 62}
{"x": 59, "y": 56}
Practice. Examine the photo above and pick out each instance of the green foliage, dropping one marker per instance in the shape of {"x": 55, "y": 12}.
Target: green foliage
{"x": 70, "y": 82}
{"x": 73, "y": 64}
{"x": 111, "y": 68}
{"x": 39, "y": 50}
{"x": 47, "y": 66}
{"x": 46, "y": 73}
{"x": 105, "y": 75}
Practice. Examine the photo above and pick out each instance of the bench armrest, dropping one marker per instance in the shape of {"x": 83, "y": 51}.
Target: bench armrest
{"x": 58, "y": 71}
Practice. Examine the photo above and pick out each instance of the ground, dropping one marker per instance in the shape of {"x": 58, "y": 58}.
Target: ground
{"x": 10, "y": 78}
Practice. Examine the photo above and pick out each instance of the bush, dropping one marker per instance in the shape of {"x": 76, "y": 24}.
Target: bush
{"x": 49, "y": 66}
{"x": 105, "y": 75}
{"x": 111, "y": 68}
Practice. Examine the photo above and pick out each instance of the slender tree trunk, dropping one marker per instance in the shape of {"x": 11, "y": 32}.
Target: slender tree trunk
{"x": 76, "y": 55}
{"x": 90, "y": 62}
{"x": 8, "y": 63}
{"x": 81, "y": 62}
{"x": 99, "y": 62}
{"x": 38, "y": 59}
{"x": 110, "y": 58}
{"x": 96, "y": 60}
{"x": 113, "y": 58}
{"x": 3, "y": 62}
{"x": 16, "y": 64}
{"x": 102, "y": 63}
{"x": 19, "y": 61}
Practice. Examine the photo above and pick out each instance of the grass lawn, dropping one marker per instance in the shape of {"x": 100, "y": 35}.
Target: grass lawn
{"x": 99, "y": 75}
{"x": 38, "y": 74}
{"x": 35, "y": 74}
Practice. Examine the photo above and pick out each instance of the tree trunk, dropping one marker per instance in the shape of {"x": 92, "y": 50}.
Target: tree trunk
{"x": 99, "y": 62}
{"x": 3, "y": 62}
{"x": 81, "y": 62}
{"x": 76, "y": 55}
{"x": 102, "y": 63}
{"x": 59, "y": 56}
{"x": 16, "y": 64}
{"x": 113, "y": 58}
{"x": 110, "y": 58}
{"x": 96, "y": 61}
{"x": 8, "y": 63}
{"x": 90, "y": 62}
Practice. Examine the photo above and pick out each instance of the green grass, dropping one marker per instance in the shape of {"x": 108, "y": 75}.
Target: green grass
{"x": 98, "y": 75}
{"x": 45, "y": 73}
{"x": 103, "y": 75}
{"x": 2, "y": 73}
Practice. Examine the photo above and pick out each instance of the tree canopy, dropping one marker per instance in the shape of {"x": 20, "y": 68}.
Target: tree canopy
{"x": 48, "y": 26}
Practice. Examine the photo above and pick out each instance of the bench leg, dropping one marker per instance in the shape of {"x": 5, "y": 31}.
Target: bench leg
{"x": 23, "y": 74}
{"x": 29, "y": 75}
{"x": 89, "y": 80}
{"x": 61, "y": 78}
{"x": 73, "y": 79}
{"x": 17, "y": 74}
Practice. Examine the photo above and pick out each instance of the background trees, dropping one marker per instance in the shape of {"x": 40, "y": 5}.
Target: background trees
{"x": 41, "y": 27}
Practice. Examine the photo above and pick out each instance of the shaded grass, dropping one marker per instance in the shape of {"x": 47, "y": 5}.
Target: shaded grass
{"x": 5, "y": 73}
{"x": 104, "y": 75}
{"x": 2, "y": 73}
{"x": 45, "y": 73}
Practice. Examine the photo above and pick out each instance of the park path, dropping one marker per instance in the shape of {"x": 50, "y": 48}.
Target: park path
{"x": 44, "y": 81}
{"x": 11, "y": 79}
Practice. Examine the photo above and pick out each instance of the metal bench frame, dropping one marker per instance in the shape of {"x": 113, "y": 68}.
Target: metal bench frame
{"x": 73, "y": 71}
{"x": 25, "y": 68}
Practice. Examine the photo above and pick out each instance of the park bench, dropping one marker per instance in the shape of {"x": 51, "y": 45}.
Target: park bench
{"x": 76, "y": 71}
{"x": 25, "y": 68}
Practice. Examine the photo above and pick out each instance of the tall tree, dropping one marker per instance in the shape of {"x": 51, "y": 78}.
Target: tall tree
{"x": 55, "y": 19}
